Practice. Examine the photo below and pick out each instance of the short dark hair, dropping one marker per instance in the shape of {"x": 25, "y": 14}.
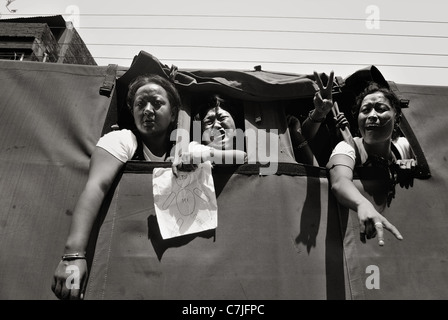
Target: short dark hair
{"x": 214, "y": 101}
{"x": 374, "y": 87}
{"x": 139, "y": 81}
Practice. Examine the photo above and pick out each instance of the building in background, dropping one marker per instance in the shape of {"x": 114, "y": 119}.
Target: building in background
{"x": 45, "y": 39}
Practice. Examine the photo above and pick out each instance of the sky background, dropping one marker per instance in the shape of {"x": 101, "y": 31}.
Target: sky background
{"x": 406, "y": 40}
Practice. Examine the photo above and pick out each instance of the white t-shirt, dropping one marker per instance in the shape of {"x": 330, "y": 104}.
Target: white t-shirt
{"x": 122, "y": 144}
{"x": 343, "y": 147}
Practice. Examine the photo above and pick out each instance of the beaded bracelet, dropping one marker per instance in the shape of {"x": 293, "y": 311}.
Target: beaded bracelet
{"x": 73, "y": 256}
{"x": 314, "y": 120}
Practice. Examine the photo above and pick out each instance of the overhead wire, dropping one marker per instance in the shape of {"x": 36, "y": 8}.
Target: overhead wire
{"x": 223, "y": 16}
{"x": 263, "y": 30}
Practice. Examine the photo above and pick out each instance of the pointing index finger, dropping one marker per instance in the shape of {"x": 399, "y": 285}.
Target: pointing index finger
{"x": 388, "y": 226}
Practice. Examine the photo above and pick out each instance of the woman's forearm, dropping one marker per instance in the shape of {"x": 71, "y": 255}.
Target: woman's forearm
{"x": 310, "y": 127}
{"x": 304, "y": 154}
{"x": 347, "y": 193}
{"x": 84, "y": 216}
{"x": 102, "y": 172}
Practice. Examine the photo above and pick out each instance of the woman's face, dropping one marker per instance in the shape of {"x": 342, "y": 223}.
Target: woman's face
{"x": 218, "y": 129}
{"x": 376, "y": 118}
{"x": 152, "y": 110}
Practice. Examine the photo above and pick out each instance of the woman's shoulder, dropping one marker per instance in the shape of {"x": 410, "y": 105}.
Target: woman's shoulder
{"x": 343, "y": 145}
{"x": 404, "y": 148}
{"x": 402, "y": 141}
{"x": 120, "y": 133}
{"x": 121, "y": 137}
{"x": 120, "y": 143}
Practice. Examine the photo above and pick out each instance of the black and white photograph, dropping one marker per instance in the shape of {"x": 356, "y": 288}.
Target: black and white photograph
{"x": 223, "y": 155}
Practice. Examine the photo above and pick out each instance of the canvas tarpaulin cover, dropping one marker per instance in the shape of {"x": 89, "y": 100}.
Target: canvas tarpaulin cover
{"x": 279, "y": 236}
{"x": 51, "y": 117}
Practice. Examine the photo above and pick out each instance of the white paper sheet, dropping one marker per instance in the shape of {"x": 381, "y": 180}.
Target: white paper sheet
{"x": 186, "y": 204}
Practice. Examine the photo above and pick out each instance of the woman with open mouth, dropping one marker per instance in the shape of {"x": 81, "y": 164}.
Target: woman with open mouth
{"x": 378, "y": 112}
{"x": 219, "y": 139}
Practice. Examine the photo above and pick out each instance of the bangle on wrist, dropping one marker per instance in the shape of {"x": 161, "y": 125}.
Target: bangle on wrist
{"x": 302, "y": 145}
{"x": 73, "y": 256}
{"x": 315, "y": 120}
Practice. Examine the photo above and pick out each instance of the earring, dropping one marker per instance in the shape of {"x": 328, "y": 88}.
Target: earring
{"x": 396, "y": 130}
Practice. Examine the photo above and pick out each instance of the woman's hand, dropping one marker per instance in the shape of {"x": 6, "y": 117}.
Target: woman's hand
{"x": 186, "y": 161}
{"x": 70, "y": 279}
{"x": 405, "y": 169}
{"x": 323, "y": 98}
{"x": 372, "y": 223}
{"x": 341, "y": 121}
